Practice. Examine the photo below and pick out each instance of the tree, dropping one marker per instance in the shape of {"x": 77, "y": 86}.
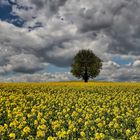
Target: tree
{"x": 86, "y": 65}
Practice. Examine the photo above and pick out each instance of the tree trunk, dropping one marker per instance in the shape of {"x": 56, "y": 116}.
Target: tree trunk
{"x": 86, "y": 80}
{"x": 85, "y": 75}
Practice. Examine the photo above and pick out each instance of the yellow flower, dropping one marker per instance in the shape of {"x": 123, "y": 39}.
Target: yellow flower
{"x": 20, "y": 126}
{"x": 102, "y": 135}
{"x": 24, "y": 122}
{"x": 29, "y": 115}
{"x": 55, "y": 125}
{"x": 24, "y": 118}
{"x": 5, "y": 126}
{"x": 62, "y": 134}
{"x": 12, "y": 135}
{"x": 42, "y": 127}
{"x": 97, "y": 120}
{"x": 128, "y": 132}
{"x": 35, "y": 122}
{"x": 2, "y": 129}
{"x": 14, "y": 123}
{"x": 40, "y": 133}
{"x": 111, "y": 124}
{"x": 51, "y": 138}
{"x": 80, "y": 120}
{"x": 116, "y": 125}
{"x": 74, "y": 114}
{"x": 43, "y": 120}
{"x": 86, "y": 123}
{"x": 134, "y": 137}
{"x": 99, "y": 136}
{"x": 100, "y": 125}
{"x": 74, "y": 130}
{"x": 82, "y": 134}
{"x": 26, "y": 130}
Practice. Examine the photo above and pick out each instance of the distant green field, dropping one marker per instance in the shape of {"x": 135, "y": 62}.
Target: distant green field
{"x": 70, "y": 110}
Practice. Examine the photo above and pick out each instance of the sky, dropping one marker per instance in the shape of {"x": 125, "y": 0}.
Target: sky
{"x": 39, "y": 38}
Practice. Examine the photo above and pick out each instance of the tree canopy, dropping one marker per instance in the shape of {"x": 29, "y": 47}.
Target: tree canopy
{"x": 86, "y": 65}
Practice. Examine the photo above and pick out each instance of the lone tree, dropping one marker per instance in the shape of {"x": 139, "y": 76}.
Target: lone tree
{"x": 86, "y": 65}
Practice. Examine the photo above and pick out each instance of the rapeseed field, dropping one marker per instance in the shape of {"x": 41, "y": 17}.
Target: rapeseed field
{"x": 70, "y": 111}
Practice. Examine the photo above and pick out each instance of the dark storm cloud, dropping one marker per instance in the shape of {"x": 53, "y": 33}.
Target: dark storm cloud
{"x": 25, "y": 63}
{"x": 51, "y": 53}
{"x": 91, "y": 20}
{"x": 125, "y": 30}
{"x": 22, "y": 63}
{"x": 117, "y": 19}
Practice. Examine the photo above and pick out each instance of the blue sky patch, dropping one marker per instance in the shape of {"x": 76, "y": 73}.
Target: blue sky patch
{"x": 6, "y": 15}
{"x": 121, "y": 61}
{"x": 53, "y": 69}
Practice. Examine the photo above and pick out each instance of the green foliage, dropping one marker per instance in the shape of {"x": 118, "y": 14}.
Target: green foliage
{"x": 86, "y": 65}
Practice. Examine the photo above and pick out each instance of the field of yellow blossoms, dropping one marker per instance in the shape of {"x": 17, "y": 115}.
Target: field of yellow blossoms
{"x": 70, "y": 111}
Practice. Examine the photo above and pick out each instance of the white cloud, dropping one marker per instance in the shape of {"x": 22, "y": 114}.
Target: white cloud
{"x": 38, "y": 77}
{"x": 114, "y": 72}
{"x": 136, "y": 63}
{"x": 109, "y": 28}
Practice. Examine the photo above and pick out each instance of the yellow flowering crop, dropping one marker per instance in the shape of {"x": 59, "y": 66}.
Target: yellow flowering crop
{"x": 40, "y": 134}
{"x": 12, "y": 136}
{"x": 70, "y": 110}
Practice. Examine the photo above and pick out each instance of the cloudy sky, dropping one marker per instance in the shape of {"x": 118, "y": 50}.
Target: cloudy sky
{"x": 39, "y": 38}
